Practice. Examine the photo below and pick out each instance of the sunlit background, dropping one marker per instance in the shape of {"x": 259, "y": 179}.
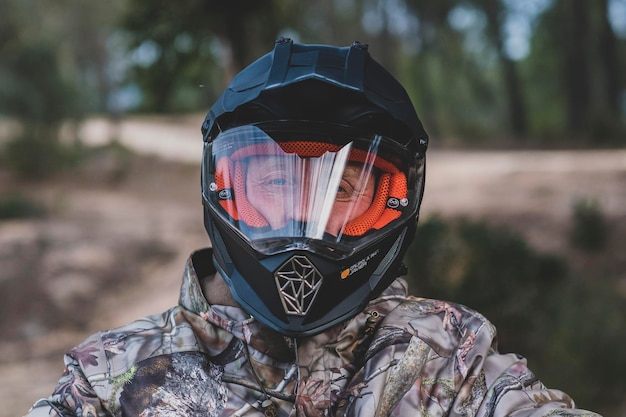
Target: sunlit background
{"x": 524, "y": 220}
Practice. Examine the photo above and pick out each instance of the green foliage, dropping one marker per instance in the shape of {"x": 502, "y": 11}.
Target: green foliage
{"x": 15, "y": 206}
{"x": 38, "y": 155}
{"x": 583, "y": 353}
{"x": 34, "y": 90}
{"x": 573, "y": 76}
{"x": 450, "y": 55}
{"x": 542, "y": 310}
{"x": 590, "y": 230}
{"x": 40, "y": 98}
{"x": 491, "y": 270}
{"x": 194, "y": 48}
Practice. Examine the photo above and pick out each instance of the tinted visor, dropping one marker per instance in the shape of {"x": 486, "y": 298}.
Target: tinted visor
{"x": 283, "y": 188}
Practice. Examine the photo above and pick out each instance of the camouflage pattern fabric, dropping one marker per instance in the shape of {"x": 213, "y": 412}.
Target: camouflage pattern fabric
{"x": 401, "y": 356}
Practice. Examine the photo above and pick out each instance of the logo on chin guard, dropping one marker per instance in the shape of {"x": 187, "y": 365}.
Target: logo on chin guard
{"x": 298, "y": 282}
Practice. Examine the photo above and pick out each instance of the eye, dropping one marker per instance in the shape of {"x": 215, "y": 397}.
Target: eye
{"x": 276, "y": 182}
{"x": 345, "y": 190}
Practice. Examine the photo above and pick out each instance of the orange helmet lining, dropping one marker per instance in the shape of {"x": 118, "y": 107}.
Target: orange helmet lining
{"x": 392, "y": 184}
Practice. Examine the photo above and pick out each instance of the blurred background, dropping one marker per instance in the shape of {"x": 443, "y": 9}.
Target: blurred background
{"x": 523, "y": 219}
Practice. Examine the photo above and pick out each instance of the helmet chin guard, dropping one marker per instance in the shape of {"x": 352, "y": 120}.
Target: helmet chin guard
{"x": 298, "y": 282}
{"x": 299, "y": 293}
{"x": 312, "y": 179}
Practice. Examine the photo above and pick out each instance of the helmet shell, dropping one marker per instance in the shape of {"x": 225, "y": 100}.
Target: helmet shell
{"x": 339, "y": 86}
{"x": 291, "y": 81}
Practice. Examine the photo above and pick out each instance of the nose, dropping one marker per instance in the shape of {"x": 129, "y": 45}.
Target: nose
{"x": 302, "y": 209}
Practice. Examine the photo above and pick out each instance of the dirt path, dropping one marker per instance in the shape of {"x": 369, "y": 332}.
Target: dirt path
{"x": 531, "y": 191}
{"x": 116, "y": 250}
{"x": 538, "y": 187}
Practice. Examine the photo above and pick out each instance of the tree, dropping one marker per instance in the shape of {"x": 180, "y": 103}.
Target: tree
{"x": 495, "y": 12}
{"x": 40, "y": 102}
{"x": 610, "y": 66}
{"x": 576, "y": 69}
{"x": 193, "y": 43}
{"x": 39, "y": 88}
{"x": 578, "y": 37}
{"x": 447, "y": 82}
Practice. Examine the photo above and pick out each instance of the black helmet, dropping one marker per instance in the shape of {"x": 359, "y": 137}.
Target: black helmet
{"x": 312, "y": 179}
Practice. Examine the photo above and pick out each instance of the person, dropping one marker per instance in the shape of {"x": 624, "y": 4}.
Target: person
{"x": 312, "y": 179}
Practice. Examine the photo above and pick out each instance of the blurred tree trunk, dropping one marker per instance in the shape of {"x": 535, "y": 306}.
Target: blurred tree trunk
{"x": 576, "y": 71}
{"x": 386, "y": 52}
{"x": 516, "y": 103}
{"x": 516, "y": 107}
{"x": 609, "y": 60}
{"x": 233, "y": 26}
{"x": 591, "y": 70}
{"x": 422, "y": 78}
{"x": 432, "y": 18}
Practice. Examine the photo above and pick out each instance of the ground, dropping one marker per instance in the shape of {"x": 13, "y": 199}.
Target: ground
{"x": 113, "y": 244}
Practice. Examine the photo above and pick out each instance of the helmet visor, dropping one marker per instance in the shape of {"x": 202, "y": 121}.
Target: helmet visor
{"x": 285, "y": 189}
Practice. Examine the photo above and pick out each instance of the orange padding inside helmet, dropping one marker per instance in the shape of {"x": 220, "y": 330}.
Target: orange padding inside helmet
{"x": 391, "y": 184}
{"x": 306, "y": 149}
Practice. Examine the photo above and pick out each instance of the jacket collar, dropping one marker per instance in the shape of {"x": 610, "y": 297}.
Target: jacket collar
{"x": 220, "y": 323}
{"x": 223, "y": 322}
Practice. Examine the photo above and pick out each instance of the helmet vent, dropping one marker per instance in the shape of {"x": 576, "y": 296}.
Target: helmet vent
{"x": 298, "y": 282}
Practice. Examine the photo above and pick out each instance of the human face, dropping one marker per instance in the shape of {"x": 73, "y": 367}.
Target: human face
{"x": 282, "y": 192}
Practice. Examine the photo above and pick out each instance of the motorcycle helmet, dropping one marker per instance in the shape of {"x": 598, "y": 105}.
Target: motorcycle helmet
{"x": 312, "y": 179}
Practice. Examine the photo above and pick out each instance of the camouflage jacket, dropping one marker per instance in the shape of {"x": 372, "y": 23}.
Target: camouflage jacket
{"x": 401, "y": 356}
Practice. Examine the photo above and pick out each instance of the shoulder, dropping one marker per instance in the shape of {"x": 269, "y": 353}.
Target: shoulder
{"x": 113, "y": 352}
{"x": 451, "y": 350}
{"x": 121, "y": 368}
{"x": 440, "y": 344}
{"x": 444, "y": 326}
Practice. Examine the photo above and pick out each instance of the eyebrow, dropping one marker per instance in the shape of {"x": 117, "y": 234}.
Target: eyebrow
{"x": 270, "y": 162}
